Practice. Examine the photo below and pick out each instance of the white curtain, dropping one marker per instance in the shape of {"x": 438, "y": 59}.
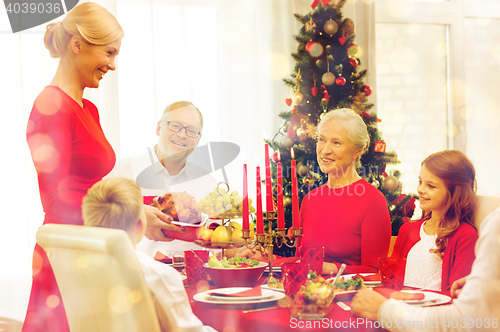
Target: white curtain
{"x": 226, "y": 56}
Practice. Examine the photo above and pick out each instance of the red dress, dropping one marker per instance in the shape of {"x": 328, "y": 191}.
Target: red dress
{"x": 70, "y": 153}
{"x": 352, "y": 223}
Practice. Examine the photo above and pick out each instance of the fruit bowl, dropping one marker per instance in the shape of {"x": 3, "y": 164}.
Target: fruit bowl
{"x": 236, "y": 277}
{"x": 219, "y": 245}
{"x": 300, "y": 310}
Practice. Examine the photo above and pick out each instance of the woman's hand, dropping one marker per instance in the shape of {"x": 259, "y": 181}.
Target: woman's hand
{"x": 329, "y": 269}
{"x": 366, "y": 304}
{"x": 457, "y": 286}
{"x": 157, "y": 221}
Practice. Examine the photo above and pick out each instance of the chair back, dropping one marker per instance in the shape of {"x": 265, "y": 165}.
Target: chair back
{"x": 100, "y": 279}
{"x": 484, "y": 206}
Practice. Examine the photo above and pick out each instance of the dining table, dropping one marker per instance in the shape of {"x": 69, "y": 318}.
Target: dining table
{"x": 271, "y": 317}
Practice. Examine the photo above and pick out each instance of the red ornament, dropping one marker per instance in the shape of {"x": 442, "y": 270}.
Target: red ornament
{"x": 342, "y": 40}
{"x": 340, "y": 80}
{"x": 316, "y": 2}
{"x": 288, "y": 101}
{"x": 353, "y": 63}
{"x": 379, "y": 147}
{"x": 275, "y": 157}
{"x": 367, "y": 90}
{"x": 295, "y": 110}
{"x": 314, "y": 91}
{"x": 365, "y": 115}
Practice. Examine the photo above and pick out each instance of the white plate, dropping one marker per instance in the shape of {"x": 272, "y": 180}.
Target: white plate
{"x": 204, "y": 297}
{"x": 367, "y": 283}
{"x": 183, "y": 277}
{"x": 430, "y": 298}
{"x": 271, "y": 288}
{"x": 204, "y": 219}
{"x": 266, "y": 293}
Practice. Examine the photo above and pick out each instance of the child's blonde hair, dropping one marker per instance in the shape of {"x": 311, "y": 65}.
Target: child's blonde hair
{"x": 113, "y": 203}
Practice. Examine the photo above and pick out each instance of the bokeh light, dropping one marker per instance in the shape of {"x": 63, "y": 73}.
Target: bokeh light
{"x": 118, "y": 299}
{"x": 451, "y": 130}
{"x": 314, "y": 49}
{"x": 135, "y": 296}
{"x": 52, "y": 301}
{"x": 50, "y": 104}
{"x": 83, "y": 262}
{"x": 45, "y": 156}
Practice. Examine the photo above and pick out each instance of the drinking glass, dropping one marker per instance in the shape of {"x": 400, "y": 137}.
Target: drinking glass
{"x": 178, "y": 260}
{"x": 392, "y": 272}
{"x": 294, "y": 275}
{"x": 195, "y": 271}
{"x": 313, "y": 257}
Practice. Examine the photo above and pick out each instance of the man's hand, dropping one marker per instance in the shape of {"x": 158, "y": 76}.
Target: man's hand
{"x": 157, "y": 221}
{"x": 329, "y": 269}
{"x": 366, "y": 304}
{"x": 457, "y": 286}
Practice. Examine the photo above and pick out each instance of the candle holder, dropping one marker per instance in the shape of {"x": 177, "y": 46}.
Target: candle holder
{"x": 265, "y": 242}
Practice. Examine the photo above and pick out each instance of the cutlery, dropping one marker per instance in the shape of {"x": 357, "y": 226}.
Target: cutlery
{"x": 339, "y": 273}
{"x": 343, "y": 306}
{"x": 261, "y": 309}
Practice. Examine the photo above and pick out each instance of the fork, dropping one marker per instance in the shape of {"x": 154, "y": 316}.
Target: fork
{"x": 343, "y": 306}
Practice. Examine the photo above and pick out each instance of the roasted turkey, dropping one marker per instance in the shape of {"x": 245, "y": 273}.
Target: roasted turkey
{"x": 180, "y": 206}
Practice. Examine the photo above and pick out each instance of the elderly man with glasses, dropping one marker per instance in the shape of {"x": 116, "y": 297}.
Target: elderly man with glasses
{"x": 166, "y": 168}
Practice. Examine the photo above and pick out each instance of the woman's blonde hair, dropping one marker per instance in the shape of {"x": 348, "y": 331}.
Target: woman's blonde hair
{"x": 459, "y": 176}
{"x": 353, "y": 124}
{"x": 92, "y": 22}
{"x": 113, "y": 203}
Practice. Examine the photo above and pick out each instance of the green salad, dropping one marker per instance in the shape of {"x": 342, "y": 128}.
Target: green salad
{"x": 231, "y": 263}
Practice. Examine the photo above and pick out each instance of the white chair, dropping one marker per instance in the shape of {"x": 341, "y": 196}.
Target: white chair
{"x": 484, "y": 206}
{"x": 100, "y": 279}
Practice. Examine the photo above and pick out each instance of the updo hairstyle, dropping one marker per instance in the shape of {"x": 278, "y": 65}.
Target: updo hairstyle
{"x": 353, "y": 124}
{"x": 94, "y": 23}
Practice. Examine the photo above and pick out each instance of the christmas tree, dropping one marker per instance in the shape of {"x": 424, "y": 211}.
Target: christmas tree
{"x": 327, "y": 76}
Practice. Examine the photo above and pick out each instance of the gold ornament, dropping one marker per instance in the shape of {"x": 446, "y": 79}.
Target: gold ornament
{"x": 301, "y": 169}
{"x": 309, "y": 181}
{"x": 297, "y": 97}
{"x": 391, "y": 182}
{"x": 287, "y": 201}
{"x": 328, "y": 78}
{"x": 301, "y": 133}
{"x": 331, "y": 27}
{"x": 347, "y": 28}
{"x": 310, "y": 25}
{"x": 354, "y": 51}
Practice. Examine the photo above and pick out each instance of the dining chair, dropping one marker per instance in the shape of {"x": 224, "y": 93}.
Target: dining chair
{"x": 484, "y": 206}
{"x": 100, "y": 279}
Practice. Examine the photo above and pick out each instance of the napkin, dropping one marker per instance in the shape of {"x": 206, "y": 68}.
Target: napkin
{"x": 162, "y": 258}
{"x": 394, "y": 294}
{"x": 371, "y": 277}
{"x": 256, "y": 291}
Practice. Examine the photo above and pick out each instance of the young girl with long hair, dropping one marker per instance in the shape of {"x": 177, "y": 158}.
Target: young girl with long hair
{"x": 439, "y": 247}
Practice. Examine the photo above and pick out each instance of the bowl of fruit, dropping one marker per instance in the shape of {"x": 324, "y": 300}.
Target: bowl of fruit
{"x": 220, "y": 204}
{"x": 314, "y": 300}
{"x": 235, "y": 271}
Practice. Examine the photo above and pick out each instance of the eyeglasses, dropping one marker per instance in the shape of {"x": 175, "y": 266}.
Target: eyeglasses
{"x": 177, "y": 127}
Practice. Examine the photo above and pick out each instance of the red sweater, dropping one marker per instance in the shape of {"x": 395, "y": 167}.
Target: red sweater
{"x": 70, "y": 153}
{"x": 352, "y": 223}
{"x": 458, "y": 255}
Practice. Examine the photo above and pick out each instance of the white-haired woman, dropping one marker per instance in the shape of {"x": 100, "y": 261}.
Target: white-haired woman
{"x": 347, "y": 216}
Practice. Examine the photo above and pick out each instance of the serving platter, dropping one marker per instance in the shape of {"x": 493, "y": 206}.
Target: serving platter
{"x": 206, "y": 298}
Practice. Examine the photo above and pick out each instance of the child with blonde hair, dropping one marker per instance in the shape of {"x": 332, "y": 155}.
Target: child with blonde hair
{"x": 117, "y": 203}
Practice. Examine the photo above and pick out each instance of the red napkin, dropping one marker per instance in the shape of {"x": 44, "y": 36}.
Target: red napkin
{"x": 371, "y": 277}
{"x": 394, "y": 294}
{"x": 162, "y": 258}
{"x": 256, "y": 291}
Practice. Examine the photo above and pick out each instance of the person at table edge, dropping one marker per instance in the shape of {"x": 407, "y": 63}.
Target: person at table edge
{"x": 347, "y": 215}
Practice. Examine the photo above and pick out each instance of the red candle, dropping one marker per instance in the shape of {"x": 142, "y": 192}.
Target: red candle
{"x": 245, "y": 199}
{"x": 269, "y": 183}
{"x": 295, "y": 193}
{"x": 281, "y": 211}
{"x": 260, "y": 221}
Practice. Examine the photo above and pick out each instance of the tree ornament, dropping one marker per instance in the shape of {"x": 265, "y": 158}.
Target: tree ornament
{"x": 310, "y": 25}
{"x": 328, "y": 78}
{"x": 375, "y": 183}
{"x": 340, "y": 81}
{"x": 309, "y": 181}
{"x": 328, "y": 48}
{"x": 391, "y": 182}
{"x": 347, "y": 28}
{"x": 342, "y": 40}
{"x": 301, "y": 133}
{"x": 379, "y": 147}
{"x": 330, "y": 27}
{"x": 301, "y": 169}
{"x": 353, "y": 63}
{"x": 314, "y": 49}
{"x": 353, "y": 51}
{"x": 288, "y": 101}
{"x": 330, "y": 57}
{"x": 319, "y": 63}
{"x": 297, "y": 97}
{"x": 275, "y": 157}
{"x": 287, "y": 201}
{"x": 314, "y": 91}
{"x": 367, "y": 90}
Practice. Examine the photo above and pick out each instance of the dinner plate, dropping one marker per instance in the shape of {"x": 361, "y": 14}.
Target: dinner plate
{"x": 206, "y": 298}
{"x": 430, "y": 298}
{"x": 266, "y": 293}
{"x": 367, "y": 283}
